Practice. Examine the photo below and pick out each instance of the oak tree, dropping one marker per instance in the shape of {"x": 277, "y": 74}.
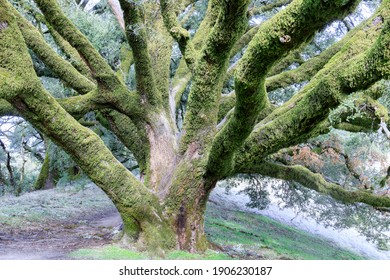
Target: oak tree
{"x": 221, "y": 134}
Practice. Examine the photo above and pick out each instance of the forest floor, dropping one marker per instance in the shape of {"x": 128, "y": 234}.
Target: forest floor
{"x": 81, "y": 223}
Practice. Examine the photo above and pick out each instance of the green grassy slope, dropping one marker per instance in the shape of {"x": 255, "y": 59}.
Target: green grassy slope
{"x": 253, "y": 236}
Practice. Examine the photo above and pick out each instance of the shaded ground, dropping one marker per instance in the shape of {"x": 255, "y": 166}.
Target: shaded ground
{"x": 51, "y": 229}
{"x": 55, "y": 240}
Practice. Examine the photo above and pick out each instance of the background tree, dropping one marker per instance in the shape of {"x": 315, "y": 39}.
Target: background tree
{"x": 220, "y": 135}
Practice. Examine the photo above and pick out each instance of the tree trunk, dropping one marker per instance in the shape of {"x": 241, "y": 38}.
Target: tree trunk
{"x": 186, "y": 201}
{"x": 46, "y": 178}
{"x": 183, "y": 209}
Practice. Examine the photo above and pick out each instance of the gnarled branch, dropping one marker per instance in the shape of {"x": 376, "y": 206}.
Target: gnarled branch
{"x": 316, "y": 182}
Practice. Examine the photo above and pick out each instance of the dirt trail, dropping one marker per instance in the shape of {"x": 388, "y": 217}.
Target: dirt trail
{"x": 56, "y": 240}
{"x": 50, "y": 224}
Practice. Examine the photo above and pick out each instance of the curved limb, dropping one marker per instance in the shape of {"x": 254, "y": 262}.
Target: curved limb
{"x": 316, "y": 182}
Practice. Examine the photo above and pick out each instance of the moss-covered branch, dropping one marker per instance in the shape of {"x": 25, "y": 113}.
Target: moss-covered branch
{"x": 316, "y": 182}
{"x": 202, "y": 107}
{"x": 111, "y": 89}
{"x": 76, "y": 106}
{"x": 137, "y": 38}
{"x": 282, "y": 33}
{"x": 278, "y": 67}
{"x": 265, "y": 8}
{"x": 183, "y": 75}
{"x": 72, "y": 54}
{"x": 101, "y": 71}
{"x": 131, "y": 136}
{"x": 6, "y": 109}
{"x": 181, "y": 35}
{"x": 56, "y": 63}
{"x": 309, "y": 68}
{"x": 81, "y": 104}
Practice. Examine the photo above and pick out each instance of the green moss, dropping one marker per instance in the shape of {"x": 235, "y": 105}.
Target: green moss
{"x": 226, "y": 103}
{"x": 137, "y": 38}
{"x": 43, "y": 174}
{"x": 71, "y": 53}
{"x": 183, "y": 74}
{"x": 54, "y": 15}
{"x": 181, "y": 35}
{"x": 202, "y": 107}
{"x": 133, "y": 137}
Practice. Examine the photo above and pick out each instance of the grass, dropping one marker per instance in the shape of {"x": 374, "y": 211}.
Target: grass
{"x": 246, "y": 232}
{"x": 110, "y": 252}
{"x": 60, "y": 204}
{"x": 114, "y": 252}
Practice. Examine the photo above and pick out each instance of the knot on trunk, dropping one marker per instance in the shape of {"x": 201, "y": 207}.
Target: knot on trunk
{"x": 285, "y": 39}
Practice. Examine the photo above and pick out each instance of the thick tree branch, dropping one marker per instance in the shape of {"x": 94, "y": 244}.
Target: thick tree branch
{"x": 72, "y": 54}
{"x": 137, "y": 38}
{"x": 183, "y": 74}
{"x": 131, "y": 136}
{"x": 56, "y": 63}
{"x": 316, "y": 182}
{"x": 111, "y": 89}
{"x": 101, "y": 71}
{"x": 76, "y": 106}
{"x": 202, "y": 107}
{"x": 309, "y": 68}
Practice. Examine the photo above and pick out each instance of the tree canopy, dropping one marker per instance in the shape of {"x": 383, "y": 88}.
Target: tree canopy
{"x": 185, "y": 88}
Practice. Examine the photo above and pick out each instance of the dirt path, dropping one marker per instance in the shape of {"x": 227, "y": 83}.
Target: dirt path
{"x": 50, "y": 224}
{"x": 55, "y": 241}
